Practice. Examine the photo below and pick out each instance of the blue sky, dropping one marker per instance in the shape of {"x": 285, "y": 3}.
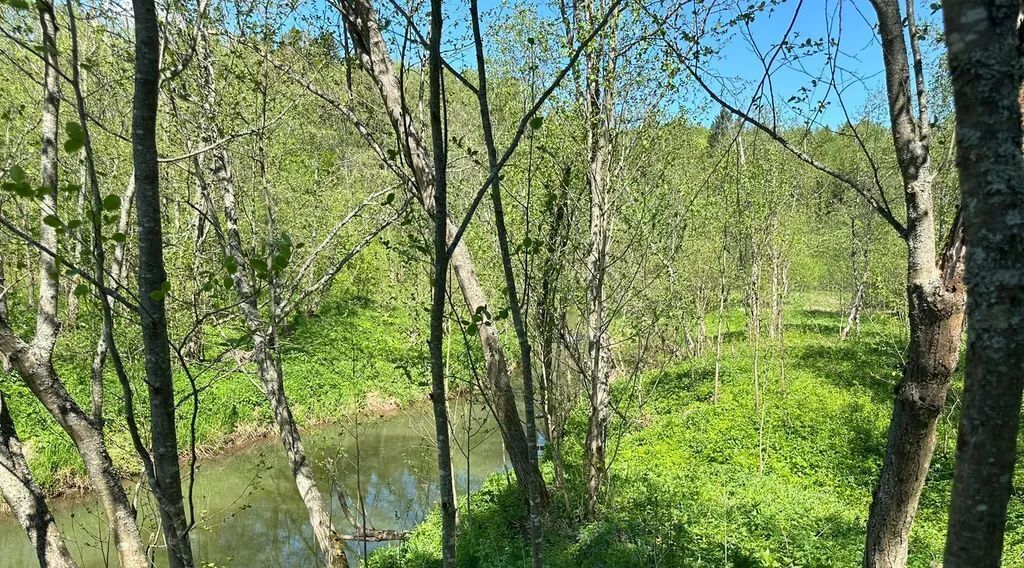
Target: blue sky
{"x": 737, "y": 68}
{"x": 858, "y": 58}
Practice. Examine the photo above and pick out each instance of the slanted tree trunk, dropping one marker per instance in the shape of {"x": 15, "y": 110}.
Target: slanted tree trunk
{"x": 985, "y": 63}
{"x": 361, "y": 20}
{"x": 261, "y": 331}
{"x": 26, "y": 499}
{"x": 117, "y": 269}
{"x": 935, "y": 298}
{"x": 153, "y": 287}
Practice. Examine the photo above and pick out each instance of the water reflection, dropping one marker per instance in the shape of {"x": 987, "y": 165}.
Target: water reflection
{"x": 249, "y": 513}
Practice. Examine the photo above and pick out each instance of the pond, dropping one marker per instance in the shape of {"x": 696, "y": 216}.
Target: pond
{"x": 248, "y": 512}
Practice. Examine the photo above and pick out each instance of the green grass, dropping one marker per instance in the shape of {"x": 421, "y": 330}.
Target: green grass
{"x": 693, "y": 483}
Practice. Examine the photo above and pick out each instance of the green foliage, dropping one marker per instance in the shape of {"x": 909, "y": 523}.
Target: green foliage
{"x": 687, "y": 485}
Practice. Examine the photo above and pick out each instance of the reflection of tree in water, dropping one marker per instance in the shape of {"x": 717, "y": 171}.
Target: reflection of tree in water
{"x": 249, "y": 514}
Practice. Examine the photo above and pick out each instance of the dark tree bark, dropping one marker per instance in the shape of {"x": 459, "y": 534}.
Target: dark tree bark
{"x": 438, "y": 374}
{"x": 935, "y": 298}
{"x": 153, "y": 286}
{"x": 985, "y": 64}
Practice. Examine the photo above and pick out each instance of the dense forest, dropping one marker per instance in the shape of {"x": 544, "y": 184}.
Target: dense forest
{"x": 587, "y": 283}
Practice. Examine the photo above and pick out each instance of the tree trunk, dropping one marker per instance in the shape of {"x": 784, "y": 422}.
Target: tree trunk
{"x": 598, "y": 91}
{"x": 26, "y": 499}
{"x": 264, "y": 339}
{"x": 549, "y": 318}
{"x": 515, "y": 308}
{"x": 153, "y": 286}
{"x": 935, "y": 297}
{"x": 33, "y": 362}
{"x": 117, "y": 269}
{"x": 984, "y": 59}
{"x": 723, "y": 295}
{"x": 34, "y": 366}
{"x": 438, "y": 369}
{"x": 599, "y": 372}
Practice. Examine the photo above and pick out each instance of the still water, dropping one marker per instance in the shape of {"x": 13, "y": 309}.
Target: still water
{"x": 248, "y": 512}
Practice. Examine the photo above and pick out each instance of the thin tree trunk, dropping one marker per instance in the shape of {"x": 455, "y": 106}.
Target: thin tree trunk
{"x": 723, "y": 293}
{"x": 534, "y": 496}
{"x": 117, "y": 269}
{"x": 599, "y": 105}
{"x": 269, "y": 372}
{"x": 26, "y": 499}
{"x": 439, "y": 378}
{"x": 79, "y": 237}
{"x": 153, "y": 286}
{"x": 859, "y": 272}
{"x": 984, "y": 59}
{"x": 548, "y": 320}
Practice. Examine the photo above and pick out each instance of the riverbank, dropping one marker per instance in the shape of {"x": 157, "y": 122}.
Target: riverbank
{"x": 778, "y": 476}
{"x": 353, "y": 356}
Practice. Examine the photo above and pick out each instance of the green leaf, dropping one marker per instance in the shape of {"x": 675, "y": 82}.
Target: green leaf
{"x": 16, "y": 4}
{"x": 82, "y": 289}
{"x": 536, "y": 122}
{"x": 389, "y": 199}
{"x": 118, "y": 237}
{"x": 76, "y": 137}
{"x": 17, "y": 174}
{"x": 162, "y": 292}
{"x": 51, "y": 221}
{"x": 111, "y": 202}
{"x": 230, "y": 264}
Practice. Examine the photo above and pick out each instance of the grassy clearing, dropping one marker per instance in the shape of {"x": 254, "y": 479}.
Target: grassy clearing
{"x": 702, "y": 484}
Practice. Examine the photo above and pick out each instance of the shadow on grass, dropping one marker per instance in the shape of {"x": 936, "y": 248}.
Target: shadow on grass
{"x": 870, "y": 367}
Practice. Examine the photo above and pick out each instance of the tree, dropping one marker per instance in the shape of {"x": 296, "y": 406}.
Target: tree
{"x": 361, "y": 21}
{"x": 33, "y": 360}
{"x": 154, "y": 286}
{"x": 985, "y": 63}
{"x": 935, "y": 291}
